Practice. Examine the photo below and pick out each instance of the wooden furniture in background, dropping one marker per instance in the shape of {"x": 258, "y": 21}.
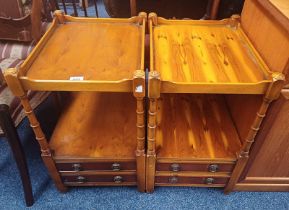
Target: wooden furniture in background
{"x": 266, "y": 23}
{"x": 17, "y": 24}
{"x": 195, "y": 9}
{"x": 82, "y": 4}
{"x": 100, "y": 136}
{"x": 193, "y": 136}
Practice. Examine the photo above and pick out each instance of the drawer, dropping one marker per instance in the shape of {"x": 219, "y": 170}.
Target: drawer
{"x": 97, "y": 166}
{"x": 102, "y": 179}
{"x": 195, "y": 167}
{"x": 187, "y": 180}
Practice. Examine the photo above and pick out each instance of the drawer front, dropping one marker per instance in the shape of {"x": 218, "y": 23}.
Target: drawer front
{"x": 98, "y": 179}
{"x": 186, "y": 180}
{"x": 97, "y": 166}
{"x": 193, "y": 167}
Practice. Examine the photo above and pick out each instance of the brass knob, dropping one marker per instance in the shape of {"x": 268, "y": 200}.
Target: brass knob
{"x": 209, "y": 180}
{"x": 76, "y": 167}
{"x": 173, "y": 180}
{"x": 118, "y": 179}
{"x": 80, "y": 179}
{"x": 213, "y": 168}
{"x": 175, "y": 167}
{"x": 115, "y": 167}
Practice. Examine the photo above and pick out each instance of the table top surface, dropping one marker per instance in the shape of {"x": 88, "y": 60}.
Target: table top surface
{"x": 208, "y": 52}
{"x": 98, "y": 50}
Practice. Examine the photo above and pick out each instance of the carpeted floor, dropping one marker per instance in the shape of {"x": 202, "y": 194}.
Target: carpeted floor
{"x": 47, "y": 197}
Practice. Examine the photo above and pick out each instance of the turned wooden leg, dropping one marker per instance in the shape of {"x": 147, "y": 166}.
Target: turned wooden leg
{"x": 153, "y": 94}
{"x": 273, "y": 93}
{"x": 139, "y": 93}
{"x": 10, "y": 132}
{"x": 16, "y": 88}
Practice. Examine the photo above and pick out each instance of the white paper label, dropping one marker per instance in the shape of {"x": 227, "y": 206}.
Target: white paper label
{"x": 78, "y": 78}
{"x": 138, "y": 89}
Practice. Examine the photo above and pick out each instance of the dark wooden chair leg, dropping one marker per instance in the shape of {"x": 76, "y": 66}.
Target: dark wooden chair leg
{"x": 10, "y": 132}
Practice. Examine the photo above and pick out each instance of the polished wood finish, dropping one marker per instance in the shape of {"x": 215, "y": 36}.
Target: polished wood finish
{"x": 267, "y": 166}
{"x": 13, "y": 82}
{"x": 190, "y": 181}
{"x": 195, "y": 126}
{"x": 153, "y": 95}
{"x": 273, "y": 93}
{"x": 195, "y": 166}
{"x": 139, "y": 88}
{"x": 200, "y": 127}
{"x": 98, "y": 71}
{"x": 206, "y": 56}
{"x": 99, "y": 134}
{"x": 266, "y": 32}
{"x": 271, "y": 148}
{"x": 95, "y": 126}
{"x": 99, "y": 180}
{"x": 94, "y": 64}
{"x": 93, "y": 165}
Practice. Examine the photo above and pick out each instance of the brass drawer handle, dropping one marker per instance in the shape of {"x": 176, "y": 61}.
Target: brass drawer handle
{"x": 175, "y": 167}
{"x": 76, "y": 167}
{"x": 213, "y": 168}
{"x": 209, "y": 181}
{"x": 115, "y": 167}
{"x": 80, "y": 179}
{"x": 173, "y": 180}
{"x": 117, "y": 179}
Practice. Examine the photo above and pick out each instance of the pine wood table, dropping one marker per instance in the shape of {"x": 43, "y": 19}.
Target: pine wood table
{"x": 198, "y": 70}
{"x": 99, "y": 139}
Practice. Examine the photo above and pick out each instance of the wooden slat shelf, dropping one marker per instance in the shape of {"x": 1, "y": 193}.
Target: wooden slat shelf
{"x": 195, "y": 126}
{"x": 104, "y": 53}
{"x": 96, "y": 125}
{"x": 206, "y": 57}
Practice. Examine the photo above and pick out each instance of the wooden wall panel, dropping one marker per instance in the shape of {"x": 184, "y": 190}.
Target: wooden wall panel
{"x": 267, "y": 33}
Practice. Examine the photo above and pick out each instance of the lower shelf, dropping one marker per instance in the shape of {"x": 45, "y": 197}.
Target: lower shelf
{"x": 195, "y": 126}
{"x": 96, "y": 125}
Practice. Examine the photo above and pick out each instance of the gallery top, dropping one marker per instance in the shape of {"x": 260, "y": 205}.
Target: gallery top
{"x": 205, "y": 56}
{"x": 90, "y": 53}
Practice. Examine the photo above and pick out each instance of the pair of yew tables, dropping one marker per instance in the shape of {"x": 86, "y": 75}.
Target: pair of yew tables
{"x": 173, "y": 127}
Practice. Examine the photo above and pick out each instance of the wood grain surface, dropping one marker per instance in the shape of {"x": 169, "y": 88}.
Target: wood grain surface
{"x": 195, "y": 126}
{"x": 96, "y": 125}
{"x": 96, "y": 51}
{"x": 268, "y": 30}
{"x": 281, "y": 5}
{"x": 208, "y": 53}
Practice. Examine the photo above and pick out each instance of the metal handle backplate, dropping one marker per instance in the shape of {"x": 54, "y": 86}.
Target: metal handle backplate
{"x": 115, "y": 167}
{"x": 175, "y": 167}
{"x": 81, "y": 179}
{"x": 76, "y": 167}
{"x": 118, "y": 179}
{"x": 213, "y": 168}
{"x": 209, "y": 180}
{"x": 173, "y": 180}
